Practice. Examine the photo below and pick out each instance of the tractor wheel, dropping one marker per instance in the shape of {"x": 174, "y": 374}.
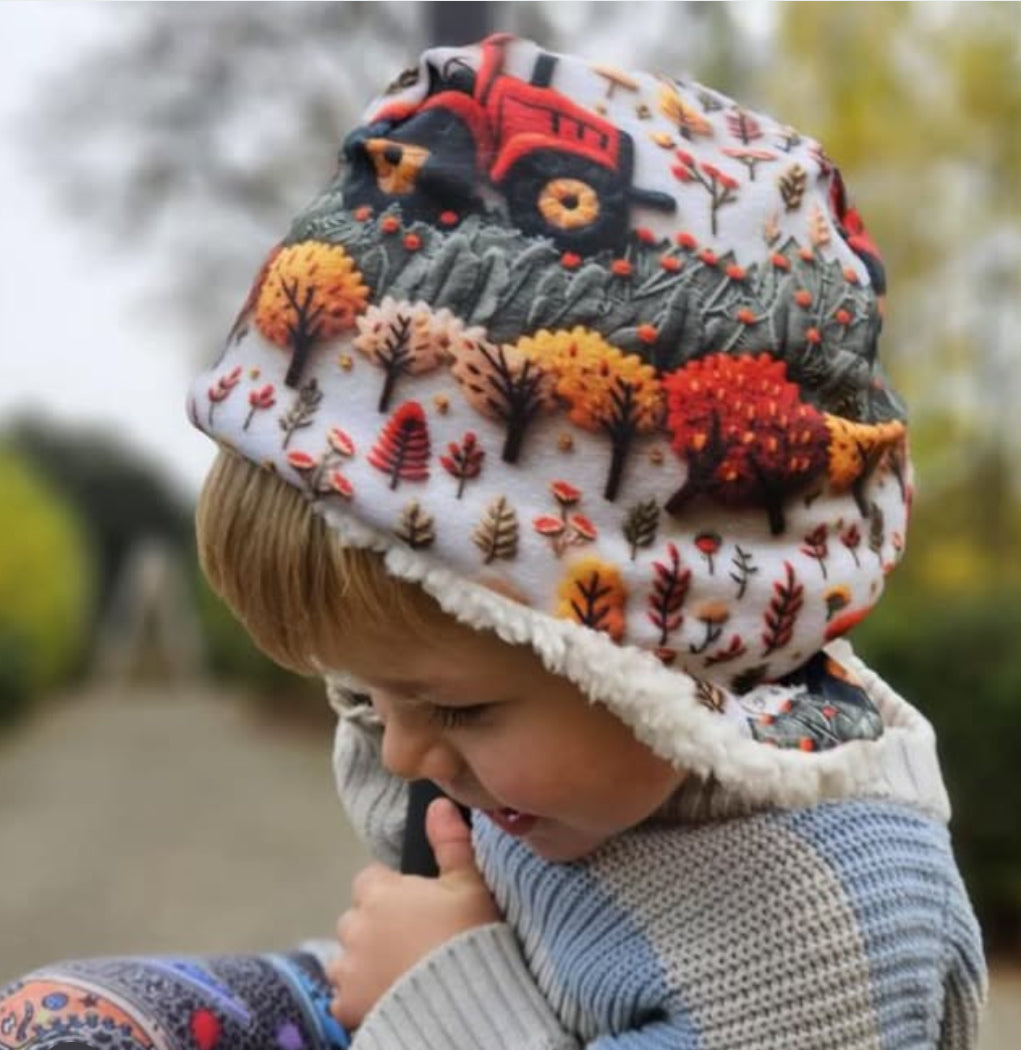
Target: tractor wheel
{"x": 580, "y": 204}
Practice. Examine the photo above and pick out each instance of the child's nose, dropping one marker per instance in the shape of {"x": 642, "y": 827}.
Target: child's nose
{"x": 417, "y": 753}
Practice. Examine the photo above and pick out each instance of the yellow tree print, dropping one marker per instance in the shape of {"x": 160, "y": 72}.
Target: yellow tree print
{"x": 592, "y": 593}
{"x": 605, "y": 389}
{"x": 311, "y": 292}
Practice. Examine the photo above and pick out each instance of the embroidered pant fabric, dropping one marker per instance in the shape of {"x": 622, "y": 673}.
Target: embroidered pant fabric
{"x": 250, "y": 1002}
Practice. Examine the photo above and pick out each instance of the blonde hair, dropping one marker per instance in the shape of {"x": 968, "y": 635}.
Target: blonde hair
{"x": 288, "y": 577}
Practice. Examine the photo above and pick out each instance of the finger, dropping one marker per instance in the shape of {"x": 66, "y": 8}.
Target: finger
{"x": 344, "y": 924}
{"x": 367, "y": 879}
{"x": 450, "y": 838}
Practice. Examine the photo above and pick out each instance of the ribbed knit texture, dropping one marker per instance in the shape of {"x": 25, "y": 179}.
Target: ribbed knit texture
{"x": 840, "y": 926}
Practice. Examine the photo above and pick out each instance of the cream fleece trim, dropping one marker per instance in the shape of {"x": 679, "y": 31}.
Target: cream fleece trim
{"x": 661, "y": 707}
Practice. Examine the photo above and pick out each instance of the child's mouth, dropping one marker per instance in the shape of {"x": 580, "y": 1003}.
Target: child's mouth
{"x": 513, "y": 821}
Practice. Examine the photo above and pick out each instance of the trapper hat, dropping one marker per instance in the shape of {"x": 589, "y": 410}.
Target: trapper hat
{"x": 592, "y": 356}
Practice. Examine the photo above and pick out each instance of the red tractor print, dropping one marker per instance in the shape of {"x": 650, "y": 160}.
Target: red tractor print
{"x": 562, "y": 171}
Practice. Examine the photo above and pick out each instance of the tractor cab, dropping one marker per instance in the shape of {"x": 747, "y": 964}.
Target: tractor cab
{"x": 564, "y": 171}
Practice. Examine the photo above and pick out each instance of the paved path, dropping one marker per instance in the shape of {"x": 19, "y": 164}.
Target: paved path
{"x": 158, "y": 821}
{"x": 163, "y": 822}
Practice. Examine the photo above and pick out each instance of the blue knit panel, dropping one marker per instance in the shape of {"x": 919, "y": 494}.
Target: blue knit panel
{"x": 900, "y": 878}
{"x": 600, "y": 975}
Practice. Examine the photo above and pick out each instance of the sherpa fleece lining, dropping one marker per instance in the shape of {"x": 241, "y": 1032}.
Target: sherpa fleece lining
{"x": 661, "y": 707}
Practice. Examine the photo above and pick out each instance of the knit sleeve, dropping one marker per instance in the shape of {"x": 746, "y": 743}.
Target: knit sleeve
{"x": 375, "y": 801}
{"x": 473, "y": 993}
{"x": 477, "y": 993}
{"x": 965, "y": 985}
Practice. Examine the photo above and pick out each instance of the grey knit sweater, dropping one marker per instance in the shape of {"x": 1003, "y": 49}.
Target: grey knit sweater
{"x": 718, "y": 925}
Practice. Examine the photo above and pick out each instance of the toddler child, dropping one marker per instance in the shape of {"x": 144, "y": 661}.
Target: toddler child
{"x": 553, "y": 435}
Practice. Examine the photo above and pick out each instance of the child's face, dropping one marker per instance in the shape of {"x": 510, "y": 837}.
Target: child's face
{"x": 497, "y": 732}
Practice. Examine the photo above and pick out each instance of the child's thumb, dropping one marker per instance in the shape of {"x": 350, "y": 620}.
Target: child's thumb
{"x": 450, "y": 837}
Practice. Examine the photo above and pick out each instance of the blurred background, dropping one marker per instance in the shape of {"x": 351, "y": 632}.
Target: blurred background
{"x": 162, "y": 786}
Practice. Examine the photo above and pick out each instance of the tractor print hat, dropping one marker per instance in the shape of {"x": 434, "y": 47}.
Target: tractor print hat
{"x": 605, "y": 342}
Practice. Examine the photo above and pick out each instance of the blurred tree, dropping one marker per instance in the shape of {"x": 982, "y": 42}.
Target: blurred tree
{"x": 920, "y": 105}
{"x": 46, "y": 584}
{"x": 119, "y": 497}
{"x": 194, "y": 135}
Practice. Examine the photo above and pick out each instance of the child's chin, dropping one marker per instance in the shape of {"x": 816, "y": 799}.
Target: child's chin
{"x": 563, "y": 847}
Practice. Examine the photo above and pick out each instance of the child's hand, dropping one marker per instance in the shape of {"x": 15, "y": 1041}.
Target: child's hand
{"x": 396, "y": 920}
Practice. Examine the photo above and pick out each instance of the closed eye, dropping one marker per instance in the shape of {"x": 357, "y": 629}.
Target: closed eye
{"x": 456, "y": 717}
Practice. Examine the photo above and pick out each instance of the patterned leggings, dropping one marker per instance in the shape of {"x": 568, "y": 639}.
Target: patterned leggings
{"x": 250, "y": 1002}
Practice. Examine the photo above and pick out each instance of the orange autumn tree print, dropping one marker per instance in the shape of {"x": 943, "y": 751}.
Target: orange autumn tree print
{"x": 604, "y": 389}
{"x": 592, "y": 593}
{"x": 311, "y": 292}
{"x": 855, "y": 450}
{"x": 747, "y": 437}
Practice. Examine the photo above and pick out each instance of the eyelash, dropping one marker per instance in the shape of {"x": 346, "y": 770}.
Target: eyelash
{"x": 456, "y": 717}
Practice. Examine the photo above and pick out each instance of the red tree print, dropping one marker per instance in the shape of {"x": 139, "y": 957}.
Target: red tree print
{"x": 721, "y": 187}
{"x": 464, "y": 460}
{"x": 788, "y": 598}
{"x": 668, "y": 593}
{"x": 402, "y": 449}
{"x": 746, "y": 435}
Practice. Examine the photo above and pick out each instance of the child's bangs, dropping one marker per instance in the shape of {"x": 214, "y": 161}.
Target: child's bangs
{"x": 299, "y": 591}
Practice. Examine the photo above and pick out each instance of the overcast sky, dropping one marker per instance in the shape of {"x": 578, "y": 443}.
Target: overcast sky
{"x": 74, "y": 346}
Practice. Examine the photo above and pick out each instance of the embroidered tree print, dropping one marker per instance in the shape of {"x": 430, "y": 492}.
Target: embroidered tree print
{"x": 743, "y": 568}
{"x": 690, "y": 123}
{"x": 793, "y": 183}
{"x": 710, "y": 696}
{"x": 592, "y": 593}
{"x": 311, "y": 292}
{"x": 322, "y": 476}
{"x": 302, "y": 411}
{"x": 402, "y": 337}
{"x": 747, "y": 437}
{"x": 851, "y": 539}
{"x": 819, "y": 232}
{"x": 222, "y": 389}
{"x": 501, "y": 383}
{"x": 751, "y": 157}
{"x": 463, "y": 461}
{"x": 605, "y": 390}
{"x": 721, "y": 187}
{"x": 259, "y": 400}
{"x": 855, "y": 450}
{"x": 743, "y": 126}
{"x": 784, "y": 608}
{"x": 416, "y": 528}
{"x": 496, "y": 535}
{"x": 735, "y": 648}
{"x": 713, "y": 616}
{"x": 877, "y": 529}
{"x": 815, "y": 546}
{"x": 565, "y": 529}
{"x": 641, "y": 525}
{"x": 669, "y": 589}
{"x": 402, "y": 449}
